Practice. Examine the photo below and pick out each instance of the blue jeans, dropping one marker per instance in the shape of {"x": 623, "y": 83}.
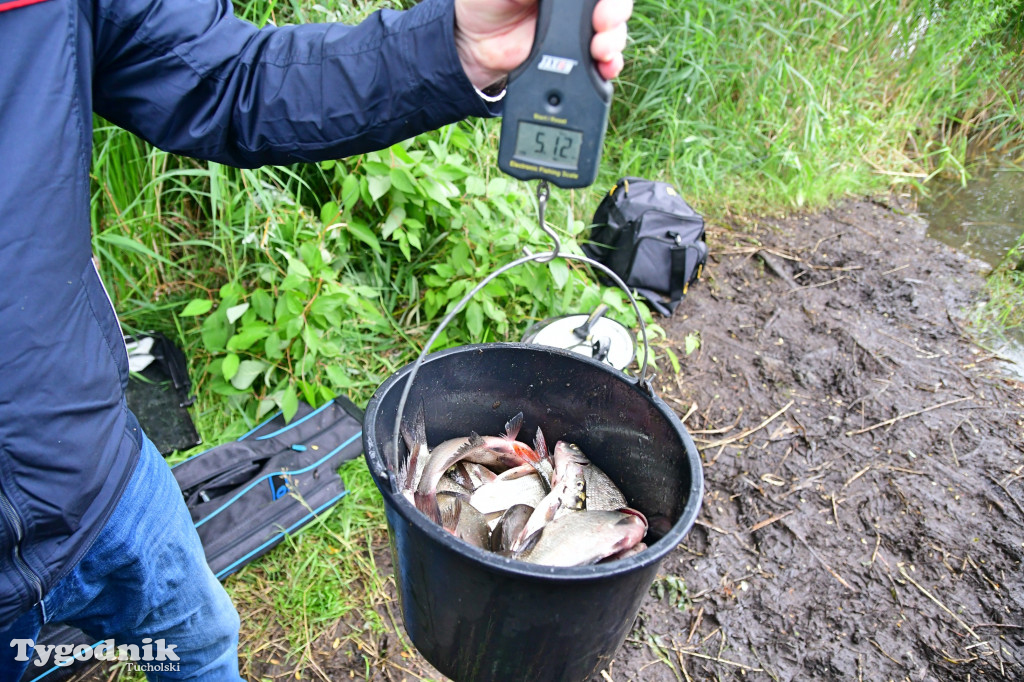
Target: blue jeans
{"x": 144, "y": 579}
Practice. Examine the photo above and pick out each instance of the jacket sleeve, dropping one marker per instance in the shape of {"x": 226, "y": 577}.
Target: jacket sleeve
{"x": 191, "y": 78}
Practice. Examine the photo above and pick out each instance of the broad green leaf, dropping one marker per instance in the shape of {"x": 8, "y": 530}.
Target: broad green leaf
{"x": 476, "y": 185}
{"x": 496, "y": 186}
{"x": 297, "y": 267}
{"x": 197, "y": 306}
{"x": 365, "y": 235}
{"x": 402, "y": 179}
{"x": 329, "y": 213}
{"x": 559, "y": 272}
{"x": 289, "y": 403}
{"x": 378, "y": 185}
{"x": 247, "y": 372}
{"x": 339, "y": 377}
{"x": 247, "y": 336}
{"x": 444, "y": 270}
{"x": 403, "y": 245}
{"x": 475, "y": 319}
{"x": 673, "y": 359}
{"x": 350, "y": 191}
{"x": 274, "y": 346}
{"x": 230, "y": 365}
{"x": 236, "y": 311}
{"x": 399, "y": 151}
{"x": 436, "y": 192}
{"x": 309, "y": 392}
{"x": 294, "y": 282}
{"x": 374, "y": 166}
{"x": 215, "y": 330}
{"x": 692, "y": 342}
{"x": 262, "y": 304}
{"x": 460, "y": 257}
{"x": 311, "y": 256}
{"x": 231, "y": 292}
{"x": 392, "y": 222}
{"x": 492, "y": 310}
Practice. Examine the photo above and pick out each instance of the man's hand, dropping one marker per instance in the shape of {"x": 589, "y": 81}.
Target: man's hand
{"x": 495, "y": 36}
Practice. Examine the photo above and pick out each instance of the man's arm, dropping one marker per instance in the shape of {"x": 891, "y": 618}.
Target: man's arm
{"x": 192, "y": 78}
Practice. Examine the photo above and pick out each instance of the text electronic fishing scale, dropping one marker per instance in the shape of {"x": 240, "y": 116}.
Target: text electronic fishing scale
{"x": 556, "y": 102}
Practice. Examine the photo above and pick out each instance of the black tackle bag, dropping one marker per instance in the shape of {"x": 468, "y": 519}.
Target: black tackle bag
{"x": 247, "y": 495}
{"x": 650, "y": 237}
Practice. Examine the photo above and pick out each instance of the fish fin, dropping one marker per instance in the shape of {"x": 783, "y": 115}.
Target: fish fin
{"x": 527, "y": 544}
{"x": 510, "y": 525}
{"x": 403, "y": 474}
{"x": 427, "y": 503}
{"x": 637, "y": 513}
{"x": 513, "y": 425}
{"x": 450, "y": 515}
{"x": 475, "y": 441}
{"x": 540, "y": 445}
{"x": 417, "y": 431}
{"x": 544, "y": 480}
{"x": 413, "y": 441}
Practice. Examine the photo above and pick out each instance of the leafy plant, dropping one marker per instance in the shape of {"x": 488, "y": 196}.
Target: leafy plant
{"x": 673, "y": 588}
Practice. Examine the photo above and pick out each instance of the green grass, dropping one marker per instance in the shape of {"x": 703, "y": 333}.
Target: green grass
{"x": 318, "y": 280}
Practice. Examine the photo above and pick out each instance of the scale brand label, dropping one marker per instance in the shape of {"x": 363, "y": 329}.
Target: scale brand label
{"x": 556, "y": 64}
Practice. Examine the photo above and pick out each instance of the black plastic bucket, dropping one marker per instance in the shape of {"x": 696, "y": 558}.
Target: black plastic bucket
{"x": 478, "y": 616}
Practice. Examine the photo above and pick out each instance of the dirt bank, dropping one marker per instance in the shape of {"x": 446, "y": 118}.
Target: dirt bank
{"x": 863, "y": 462}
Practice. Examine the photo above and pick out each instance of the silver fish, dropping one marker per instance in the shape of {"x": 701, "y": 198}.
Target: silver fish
{"x": 602, "y": 494}
{"x": 568, "y": 491}
{"x": 506, "y": 490}
{"x": 474, "y": 450}
{"x": 508, "y": 443}
{"x": 585, "y": 537}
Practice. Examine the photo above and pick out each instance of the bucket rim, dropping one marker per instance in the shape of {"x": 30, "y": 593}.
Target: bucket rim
{"x": 514, "y": 567}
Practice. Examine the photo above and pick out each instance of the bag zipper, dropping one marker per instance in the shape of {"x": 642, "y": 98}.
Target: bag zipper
{"x": 10, "y": 515}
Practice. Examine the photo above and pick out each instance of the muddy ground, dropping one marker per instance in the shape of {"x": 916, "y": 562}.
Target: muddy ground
{"x": 864, "y": 507}
{"x": 864, "y": 470}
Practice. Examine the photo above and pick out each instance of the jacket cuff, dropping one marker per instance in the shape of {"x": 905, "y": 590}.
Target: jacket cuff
{"x": 451, "y": 95}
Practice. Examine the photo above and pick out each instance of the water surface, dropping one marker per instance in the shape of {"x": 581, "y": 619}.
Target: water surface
{"x": 983, "y": 218}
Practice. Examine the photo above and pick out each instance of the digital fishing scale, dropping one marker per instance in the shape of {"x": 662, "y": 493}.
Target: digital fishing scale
{"x": 556, "y": 102}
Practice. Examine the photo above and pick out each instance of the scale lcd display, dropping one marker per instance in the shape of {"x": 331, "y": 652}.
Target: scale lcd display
{"x": 548, "y": 145}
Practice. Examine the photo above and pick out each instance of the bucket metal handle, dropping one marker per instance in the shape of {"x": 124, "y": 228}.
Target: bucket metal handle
{"x": 543, "y": 257}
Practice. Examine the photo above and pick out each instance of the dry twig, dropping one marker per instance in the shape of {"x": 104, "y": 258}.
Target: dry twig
{"x": 897, "y": 418}
{"x": 744, "y": 434}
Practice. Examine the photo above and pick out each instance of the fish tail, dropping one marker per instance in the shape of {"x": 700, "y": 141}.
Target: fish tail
{"x": 450, "y": 515}
{"x": 540, "y": 445}
{"x": 427, "y": 503}
{"x": 513, "y": 425}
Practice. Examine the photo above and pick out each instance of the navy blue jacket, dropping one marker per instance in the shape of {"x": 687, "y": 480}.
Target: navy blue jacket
{"x": 191, "y": 78}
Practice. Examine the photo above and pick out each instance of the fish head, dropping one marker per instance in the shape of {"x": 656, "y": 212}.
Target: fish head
{"x": 629, "y": 530}
{"x": 566, "y": 456}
